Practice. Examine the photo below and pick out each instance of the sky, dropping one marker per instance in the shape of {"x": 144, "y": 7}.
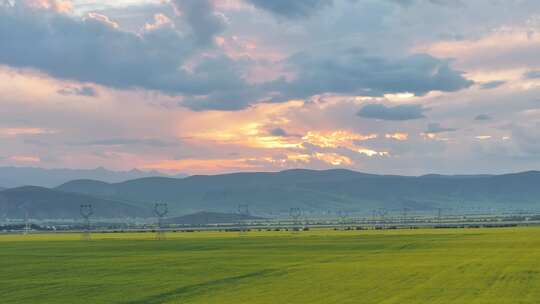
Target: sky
{"x": 212, "y": 86}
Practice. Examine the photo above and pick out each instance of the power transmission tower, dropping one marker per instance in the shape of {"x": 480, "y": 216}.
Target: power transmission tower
{"x": 295, "y": 214}
{"x": 306, "y": 221}
{"x": 342, "y": 215}
{"x": 243, "y": 215}
{"x": 26, "y": 223}
{"x": 382, "y": 215}
{"x": 160, "y": 210}
{"x": 374, "y": 218}
{"x": 405, "y": 219}
{"x": 86, "y": 212}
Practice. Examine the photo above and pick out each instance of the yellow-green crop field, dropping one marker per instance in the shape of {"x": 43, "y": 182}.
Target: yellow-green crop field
{"x": 402, "y": 266}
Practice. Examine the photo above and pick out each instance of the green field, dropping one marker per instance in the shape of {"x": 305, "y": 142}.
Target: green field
{"x": 407, "y": 266}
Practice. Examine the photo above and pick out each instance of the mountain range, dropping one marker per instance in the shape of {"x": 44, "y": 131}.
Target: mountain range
{"x": 271, "y": 194}
{"x": 319, "y": 191}
{"x": 11, "y": 177}
{"x": 43, "y": 203}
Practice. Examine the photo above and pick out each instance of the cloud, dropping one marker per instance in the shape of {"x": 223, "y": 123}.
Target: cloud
{"x": 61, "y": 6}
{"x": 207, "y": 166}
{"x": 532, "y": 75}
{"x": 527, "y": 139}
{"x": 399, "y": 136}
{"x": 482, "y": 117}
{"x": 24, "y": 131}
{"x": 354, "y": 72}
{"x": 483, "y": 137}
{"x": 434, "y": 128}
{"x": 351, "y": 72}
{"x": 102, "y": 19}
{"x": 278, "y": 132}
{"x": 334, "y": 159}
{"x": 25, "y": 159}
{"x": 127, "y": 142}
{"x": 492, "y": 84}
{"x": 79, "y": 91}
{"x": 291, "y": 9}
{"x": 204, "y": 22}
{"x": 92, "y": 50}
{"x": 514, "y": 48}
{"x": 230, "y": 93}
{"x": 184, "y": 62}
{"x": 397, "y": 113}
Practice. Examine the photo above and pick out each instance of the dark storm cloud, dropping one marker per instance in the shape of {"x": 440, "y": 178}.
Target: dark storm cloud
{"x": 437, "y": 128}
{"x": 79, "y": 91}
{"x": 492, "y": 84}
{"x": 354, "y": 72}
{"x": 291, "y": 8}
{"x": 401, "y": 112}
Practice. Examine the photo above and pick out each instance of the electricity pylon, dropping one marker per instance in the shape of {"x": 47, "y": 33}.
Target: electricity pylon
{"x": 160, "y": 210}
{"x": 86, "y": 211}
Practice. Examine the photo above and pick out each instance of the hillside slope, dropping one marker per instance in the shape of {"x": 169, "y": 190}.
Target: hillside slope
{"x": 328, "y": 190}
{"x": 43, "y": 203}
{"x": 21, "y": 176}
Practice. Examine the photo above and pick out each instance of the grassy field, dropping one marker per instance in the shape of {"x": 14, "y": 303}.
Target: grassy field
{"x": 408, "y": 266}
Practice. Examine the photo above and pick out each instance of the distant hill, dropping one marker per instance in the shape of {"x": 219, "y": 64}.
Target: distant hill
{"x": 88, "y": 186}
{"x": 329, "y": 190}
{"x": 43, "y": 203}
{"x": 22, "y": 176}
{"x": 202, "y": 218}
